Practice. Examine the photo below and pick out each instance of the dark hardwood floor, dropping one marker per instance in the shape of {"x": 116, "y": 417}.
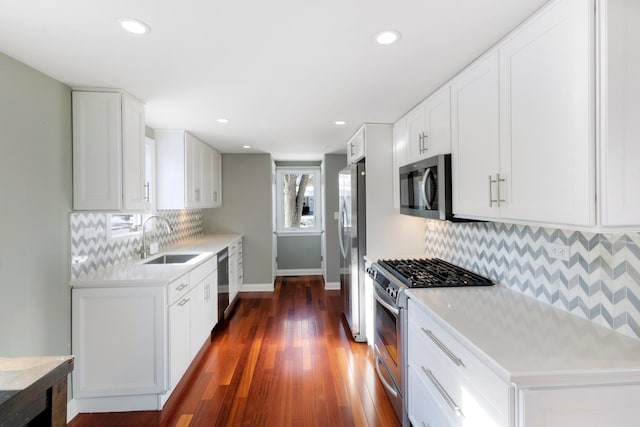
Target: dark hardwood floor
{"x": 282, "y": 359}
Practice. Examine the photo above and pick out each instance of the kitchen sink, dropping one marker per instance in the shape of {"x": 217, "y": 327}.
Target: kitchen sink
{"x": 172, "y": 259}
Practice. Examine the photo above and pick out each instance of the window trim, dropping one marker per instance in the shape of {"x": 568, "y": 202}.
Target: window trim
{"x": 317, "y": 194}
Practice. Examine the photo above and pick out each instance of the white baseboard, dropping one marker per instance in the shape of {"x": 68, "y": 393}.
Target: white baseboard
{"x": 300, "y": 272}
{"x": 72, "y": 410}
{"x": 332, "y": 286}
{"x": 256, "y": 287}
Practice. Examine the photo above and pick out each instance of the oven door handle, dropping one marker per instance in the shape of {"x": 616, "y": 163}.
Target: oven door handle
{"x": 384, "y": 382}
{"x": 386, "y": 304}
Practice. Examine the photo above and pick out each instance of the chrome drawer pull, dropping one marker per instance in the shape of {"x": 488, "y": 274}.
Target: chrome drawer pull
{"x": 183, "y": 302}
{"x": 443, "y": 347}
{"x": 425, "y": 425}
{"x": 181, "y": 287}
{"x": 443, "y": 392}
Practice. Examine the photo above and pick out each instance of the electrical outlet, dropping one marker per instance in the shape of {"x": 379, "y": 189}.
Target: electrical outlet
{"x": 336, "y": 215}
{"x": 559, "y": 251}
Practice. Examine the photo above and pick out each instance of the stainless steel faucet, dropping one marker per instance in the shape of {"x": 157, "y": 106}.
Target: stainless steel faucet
{"x": 143, "y": 249}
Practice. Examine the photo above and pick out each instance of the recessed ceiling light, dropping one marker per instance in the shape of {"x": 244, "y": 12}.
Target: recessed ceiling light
{"x": 387, "y": 37}
{"x": 222, "y": 121}
{"x": 134, "y": 26}
{"x": 340, "y": 122}
{"x": 246, "y": 147}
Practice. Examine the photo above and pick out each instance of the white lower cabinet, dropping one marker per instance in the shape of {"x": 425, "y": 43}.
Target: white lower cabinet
{"x": 179, "y": 338}
{"x": 133, "y": 344}
{"x": 580, "y": 407}
{"x": 123, "y": 354}
{"x": 466, "y": 392}
{"x": 458, "y": 373}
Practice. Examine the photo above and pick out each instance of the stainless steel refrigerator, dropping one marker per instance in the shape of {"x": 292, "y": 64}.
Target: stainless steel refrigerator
{"x": 352, "y": 223}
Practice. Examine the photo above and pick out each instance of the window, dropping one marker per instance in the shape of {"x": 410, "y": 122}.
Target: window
{"x": 298, "y": 200}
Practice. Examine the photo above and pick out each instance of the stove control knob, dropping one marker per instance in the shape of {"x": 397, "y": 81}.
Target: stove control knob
{"x": 372, "y": 272}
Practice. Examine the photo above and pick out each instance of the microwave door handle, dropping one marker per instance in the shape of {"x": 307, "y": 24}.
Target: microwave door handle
{"x": 425, "y": 182}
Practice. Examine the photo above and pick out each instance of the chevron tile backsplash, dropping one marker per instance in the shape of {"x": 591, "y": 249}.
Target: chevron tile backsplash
{"x": 92, "y": 249}
{"x": 599, "y": 282}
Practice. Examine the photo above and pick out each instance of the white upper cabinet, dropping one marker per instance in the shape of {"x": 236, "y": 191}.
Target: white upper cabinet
{"x": 547, "y": 123}
{"x": 188, "y": 170}
{"x": 475, "y": 141}
{"x": 429, "y": 127}
{"x": 620, "y": 104}
{"x": 356, "y": 147}
{"x": 108, "y": 152}
{"x": 523, "y": 139}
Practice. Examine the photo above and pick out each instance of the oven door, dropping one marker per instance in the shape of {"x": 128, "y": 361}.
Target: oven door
{"x": 387, "y": 346}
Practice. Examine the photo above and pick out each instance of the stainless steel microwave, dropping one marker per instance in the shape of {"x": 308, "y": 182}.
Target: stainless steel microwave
{"x": 425, "y": 188}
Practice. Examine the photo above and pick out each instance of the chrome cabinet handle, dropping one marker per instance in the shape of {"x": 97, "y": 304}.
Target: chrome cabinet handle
{"x": 183, "y": 302}
{"x": 147, "y": 197}
{"x": 215, "y": 196}
{"x": 496, "y": 181}
{"x": 452, "y": 404}
{"x": 181, "y": 286}
{"x": 425, "y": 425}
{"x": 451, "y": 355}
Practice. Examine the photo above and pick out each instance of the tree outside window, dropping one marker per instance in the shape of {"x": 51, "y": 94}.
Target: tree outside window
{"x": 298, "y": 199}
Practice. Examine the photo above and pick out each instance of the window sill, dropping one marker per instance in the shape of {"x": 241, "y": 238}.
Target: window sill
{"x": 298, "y": 233}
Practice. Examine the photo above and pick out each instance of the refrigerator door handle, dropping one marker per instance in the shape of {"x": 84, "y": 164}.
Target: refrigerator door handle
{"x": 342, "y": 220}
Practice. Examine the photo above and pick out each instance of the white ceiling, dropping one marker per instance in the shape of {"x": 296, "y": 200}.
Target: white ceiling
{"x": 281, "y": 71}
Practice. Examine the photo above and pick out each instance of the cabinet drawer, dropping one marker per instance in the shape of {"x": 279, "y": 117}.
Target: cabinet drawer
{"x": 423, "y": 408}
{"x": 203, "y": 270}
{"x": 178, "y": 288}
{"x": 468, "y": 382}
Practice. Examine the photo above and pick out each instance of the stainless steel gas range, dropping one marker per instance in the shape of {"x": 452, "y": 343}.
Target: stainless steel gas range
{"x": 391, "y": 278}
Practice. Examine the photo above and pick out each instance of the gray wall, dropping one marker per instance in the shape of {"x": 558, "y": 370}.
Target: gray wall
{"x": 35, "y": 189}
{"x": 333, "y": 164}
{"x": 246, "y": 208}
{"x": 299, "y": 252}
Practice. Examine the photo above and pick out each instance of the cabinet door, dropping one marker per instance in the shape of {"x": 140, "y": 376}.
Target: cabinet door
{"x": 197, "y": 324}
{"x": 193, "y": 182}
{"x": 416, "y": 130}
{"x": 475, "y": 137}
{"x": 135, "y": 185}
{"x": 97, "y": 151}
{"x": 621, "y": 102}
{"x": 400, "y": 147}
{"x": 437, "y": 109}
{"x": 210, "y": 169}
{"x": 179, "y": 338}
{"x": 356, "y": 147}
{"x": 216, "y": 178}
{"x": 119, "y": 340}
{"x": 546, "y": 116}
{"x": 211, "y": 306}
{"x": 206, "y": 176}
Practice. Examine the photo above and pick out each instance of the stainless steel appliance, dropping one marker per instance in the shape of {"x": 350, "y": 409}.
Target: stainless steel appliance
{"x": 391, "y": 278}
{"x": 223, "y": 283}
{"x": 352, "y": 225}
{"x": 425, "y": 188}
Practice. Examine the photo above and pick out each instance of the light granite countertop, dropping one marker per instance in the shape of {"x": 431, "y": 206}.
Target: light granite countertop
{"x": 137, "y": 273}
{"x": 530, "y": 343}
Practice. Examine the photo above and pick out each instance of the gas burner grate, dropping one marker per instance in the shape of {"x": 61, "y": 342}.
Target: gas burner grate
{"x": 431, "y": 273}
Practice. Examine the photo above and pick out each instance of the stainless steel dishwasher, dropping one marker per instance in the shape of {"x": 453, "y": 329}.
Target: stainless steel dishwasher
{"x": 223, "y": 283}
